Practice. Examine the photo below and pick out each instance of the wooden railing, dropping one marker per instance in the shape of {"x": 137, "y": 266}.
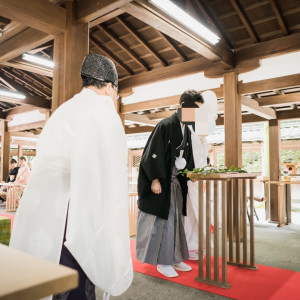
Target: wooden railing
{"x": 13, "y": 193}
{"x": 222, "y": 187}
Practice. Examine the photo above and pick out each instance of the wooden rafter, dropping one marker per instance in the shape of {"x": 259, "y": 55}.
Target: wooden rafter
{"x": 236, "y": 5}
{"x": 105, "y": 18}
{"x": 28, "y": 126}
{"x": 109, "y": 54}
{"x": 28, "y": 66}
{"x": 279, "y": 17}
{"x": 12, "y": 29}
{"x": 37, "y": 81}
{"x": 89, "y": 10}
{"x": 140, "y": 119}
{"x": 14, "y": 86}
{"x": 287, "y": 99}
{"x": 21, "y": 109}
{"x": 253, "y": 107}
{"x": 38, "y": 102}
{"x": 139, "y": 129}
{"x": 139, "y": 38}
{"x": 172, "y": 45}
{"x": 39, "y": 14}
{"x": 211, "y": 20}
{"x": 22, "y": 42}
{"x": 172, "y": 71}
{"x": 278, "y": 46}
{"x": 25, "y": 82}
{"x": 164, "y": 23}
{"x": 122, "y": 45}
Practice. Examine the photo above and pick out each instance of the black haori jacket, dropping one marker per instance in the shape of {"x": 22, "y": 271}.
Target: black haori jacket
{"x": 158, "y": 161}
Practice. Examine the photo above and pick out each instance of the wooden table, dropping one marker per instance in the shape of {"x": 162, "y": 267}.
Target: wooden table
{"x": 23, "y": 276}
{"x": 225, "y": 183}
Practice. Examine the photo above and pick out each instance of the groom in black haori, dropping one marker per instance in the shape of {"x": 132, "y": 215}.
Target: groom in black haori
{"x": 162, "y": 191}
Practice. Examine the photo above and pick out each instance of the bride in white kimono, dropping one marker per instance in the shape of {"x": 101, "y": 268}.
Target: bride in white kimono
{"x": 200, "y": 153}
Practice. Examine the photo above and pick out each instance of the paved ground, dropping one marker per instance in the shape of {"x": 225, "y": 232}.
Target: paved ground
{"x": 276, "y": 247}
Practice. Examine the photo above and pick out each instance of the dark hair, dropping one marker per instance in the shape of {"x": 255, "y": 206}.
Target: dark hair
{"x": 191, "y": 96}
{"x": 208, "y": 160}
{"x": 23, "y": 158}
{"x": 90, "y": 81}
{"x": 13, "y": 161}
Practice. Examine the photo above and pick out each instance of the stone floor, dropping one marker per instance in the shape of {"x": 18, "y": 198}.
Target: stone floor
{"x": 274, "y": 246}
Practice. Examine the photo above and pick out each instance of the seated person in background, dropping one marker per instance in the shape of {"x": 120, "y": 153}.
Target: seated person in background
{"x": 24, "y": 171}
{"x": 13, "y": 171}
{"x": 12, "y": 175}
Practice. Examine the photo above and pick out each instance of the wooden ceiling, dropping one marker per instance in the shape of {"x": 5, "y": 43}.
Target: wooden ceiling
{"x": 148, "y": 46}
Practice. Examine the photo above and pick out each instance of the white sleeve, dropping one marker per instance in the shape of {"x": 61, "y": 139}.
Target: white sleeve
{"x": 98, "y": 220}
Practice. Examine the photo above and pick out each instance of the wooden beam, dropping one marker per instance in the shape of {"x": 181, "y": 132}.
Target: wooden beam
{"x": 287, "y": 99}
{"x": 5, "y": 150}
{"x": 233, "y": 121}
{"x": 26, "y": 134}
{"x": 21, "y": 143}
{"x": 140, "y": 129}
{"x": 109, "y": 54}
{"x": 169, "y": 72}
{"x": 158, "y": 103}
{"x": 150, "y": 15}
{"x": 210, "y": 19}
{"x": 28, "y": 126}
{"x": 237, "y": 6}
{"x": 140, "y": 39}
{"x": 3, "y": 115}
{"x": 172, "y": 45}
{"x": 105, "y": 17}
{"x": 269, "y": 84}
{"x": 14, "y": 152}
{"x": 140, "y": 119}
{"x": 22, "y": 42}
{"x": 10, "y": 30}
{"x": 38, "y": 102}
{"x": 20, "y": 150}
{"x": 123, "y": 46}
{"x": 253, "y": 107}
{"x": 39, "y": 14}
{"x": 89, "y": 10}
{"x": 26, "y": 83}
{"x": 279, "y": 17}
{"x": 249, "y": 118}
{"x": 288, "y": 114}
{"x": 161, "y": 115}
{"x": 20, "y": 110}
{"x": 28, "y": 66}
{"x": 270, "y": 48}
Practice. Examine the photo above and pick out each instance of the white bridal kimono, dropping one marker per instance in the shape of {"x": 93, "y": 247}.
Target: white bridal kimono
{"x": 81, "y": 162}
{"x": 200, "y": 152}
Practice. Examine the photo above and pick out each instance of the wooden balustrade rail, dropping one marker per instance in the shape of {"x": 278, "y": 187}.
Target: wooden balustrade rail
{"x": 220, "y": 188}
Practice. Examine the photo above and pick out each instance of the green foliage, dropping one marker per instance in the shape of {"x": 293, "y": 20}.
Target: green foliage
{"x": 213, "y": 170}
{"x": 290, "y": 156}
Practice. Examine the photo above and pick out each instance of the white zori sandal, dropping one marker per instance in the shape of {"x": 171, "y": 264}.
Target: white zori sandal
{"x": 167, "y": 270}
{"x": 182, "y": 267}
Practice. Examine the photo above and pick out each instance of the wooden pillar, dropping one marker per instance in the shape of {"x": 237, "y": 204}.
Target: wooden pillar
{"x": 70, "y": 47}
{"x": 118, "y": 109}
{"x": 5, "y": 150}
{"x": 232, "y": 121}
{"x": 274, "y": 157}
{"x": 20, "y": 151}
{"x": 233, "y": 139}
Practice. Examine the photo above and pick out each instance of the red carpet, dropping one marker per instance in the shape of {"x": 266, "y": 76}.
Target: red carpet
{"x": 263, "y": 284}
{"x": 12, "y": 218}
